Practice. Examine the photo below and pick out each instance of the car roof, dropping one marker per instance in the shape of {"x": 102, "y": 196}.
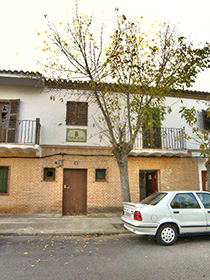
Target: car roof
{"x": 193, "y": 191}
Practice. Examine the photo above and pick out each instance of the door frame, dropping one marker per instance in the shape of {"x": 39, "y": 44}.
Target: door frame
{"x": 64, "y": 169}
{"x": 153, "y": 171}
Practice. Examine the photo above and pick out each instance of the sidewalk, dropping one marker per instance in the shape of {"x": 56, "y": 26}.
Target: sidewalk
{"x": 61, "y": 225}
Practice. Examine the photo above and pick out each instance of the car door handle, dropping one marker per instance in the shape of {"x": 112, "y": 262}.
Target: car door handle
{"x": 176, "y": 212}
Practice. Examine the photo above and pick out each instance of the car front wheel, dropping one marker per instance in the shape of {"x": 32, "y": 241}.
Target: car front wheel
{"x": 167, "y": 235}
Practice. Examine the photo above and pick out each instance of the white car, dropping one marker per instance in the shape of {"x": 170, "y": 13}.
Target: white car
{"x": 169, "y": 214}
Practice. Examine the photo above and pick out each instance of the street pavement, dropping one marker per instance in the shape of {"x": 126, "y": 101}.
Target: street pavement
{"x": 103, "y": 257}
{"x": 101, "y": 224}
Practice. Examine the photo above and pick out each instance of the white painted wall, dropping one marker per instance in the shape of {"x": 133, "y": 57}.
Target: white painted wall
{"x": 174, "y": 118}
{"x": 52, "y": 114}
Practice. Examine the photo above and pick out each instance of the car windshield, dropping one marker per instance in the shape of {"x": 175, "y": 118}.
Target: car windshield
{"x": 153, "y": 199}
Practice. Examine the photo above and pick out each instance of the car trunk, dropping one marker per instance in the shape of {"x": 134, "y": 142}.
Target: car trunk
{"x": 130, "y": 208}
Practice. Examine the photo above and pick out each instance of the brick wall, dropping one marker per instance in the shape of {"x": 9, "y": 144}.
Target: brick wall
{"x": 173, "y": 173}
{"x": 29, "y": 193}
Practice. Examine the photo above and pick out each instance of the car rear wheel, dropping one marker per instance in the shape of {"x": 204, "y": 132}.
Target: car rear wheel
{"x": 167, "y": 235}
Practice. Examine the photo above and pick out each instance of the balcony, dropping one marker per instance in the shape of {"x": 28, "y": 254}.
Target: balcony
{"x": 163, "y": 141}
{"x": 23, "y": 135}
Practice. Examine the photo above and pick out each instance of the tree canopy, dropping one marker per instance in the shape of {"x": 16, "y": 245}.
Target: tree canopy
{"x": 130, "y": 73}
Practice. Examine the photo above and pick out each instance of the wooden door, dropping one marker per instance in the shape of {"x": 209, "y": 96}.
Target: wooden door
{"x": 75, "y": 192}
{"x": 204, "y": 183}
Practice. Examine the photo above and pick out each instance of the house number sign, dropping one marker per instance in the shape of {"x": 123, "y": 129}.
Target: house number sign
{"x": 76, "y": 135}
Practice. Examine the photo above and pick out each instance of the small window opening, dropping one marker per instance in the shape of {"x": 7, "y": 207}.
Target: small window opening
{"x": 49, "y": 174}
{"x": 100, "y": 174}
{"x": 4, "y": 172}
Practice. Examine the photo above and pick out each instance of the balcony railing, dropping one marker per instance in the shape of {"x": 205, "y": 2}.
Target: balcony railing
{"x": 24, "y": 132}
{"x": 162, "y": 138}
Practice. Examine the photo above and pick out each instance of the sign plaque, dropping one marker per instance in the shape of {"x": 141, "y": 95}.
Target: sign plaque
{"x": 76, "y": 135}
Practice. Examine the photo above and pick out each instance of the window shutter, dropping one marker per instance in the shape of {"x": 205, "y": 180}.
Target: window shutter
{"x": 206, "y": 120}
{"x": 82, "y": 113}
{"x": 13, "y": 121}
{"x": 71, "y": 113}
{"x": 157, "y": 137}
{"x": 146, "y": 137}
{"x": 156, "y": 129}
{"x": 3, "y": 179}
{"x": 77, "y": 113}
{"x": 152, "y": 135}
{"x": 204, "y": 116}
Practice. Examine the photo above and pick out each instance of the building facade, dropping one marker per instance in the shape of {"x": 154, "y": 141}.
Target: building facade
{"x": 53, "y": 161}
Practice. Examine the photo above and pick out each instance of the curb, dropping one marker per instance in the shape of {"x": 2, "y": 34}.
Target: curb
{"x": 63, "y": 234}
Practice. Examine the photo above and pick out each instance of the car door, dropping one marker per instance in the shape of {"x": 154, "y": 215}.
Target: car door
{"x": 205, "y": 199}
{"x": 188, "y": 213}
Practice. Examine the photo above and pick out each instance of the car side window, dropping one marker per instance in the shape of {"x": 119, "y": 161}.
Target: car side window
{"x": 184, "y": 200}
{"x": 205, "y": 199}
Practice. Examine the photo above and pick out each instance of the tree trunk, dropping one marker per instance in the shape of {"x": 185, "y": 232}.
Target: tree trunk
{"x": 124, "y": 180}
{"x": 208, "y": 175}
{"x": 121, "y": 155}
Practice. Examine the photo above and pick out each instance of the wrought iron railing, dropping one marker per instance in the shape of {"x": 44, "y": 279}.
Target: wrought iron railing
{"x": 162, "y": 138}
{"x": 21, "y": 132}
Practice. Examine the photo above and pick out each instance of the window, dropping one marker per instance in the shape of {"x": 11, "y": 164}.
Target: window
{"x": 153, "y": 199}
{"x": 49, "y": 174}
{"x": 4, "y": 171}
{"x": 4, "y": 109}
{"x": 100, "y": 174}
{"x": 9, "y": 110}
{"x": 77, "y": 113}
{"x": 206, "y": 120}
{"x": 205, "y": 199}
{"x": 152, "y": 130}
{"x": 185, "y": 200}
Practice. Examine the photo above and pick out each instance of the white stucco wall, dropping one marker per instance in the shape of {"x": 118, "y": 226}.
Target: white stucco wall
{"x": 174, "y": 118}
{"x": 52, "y": 114}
